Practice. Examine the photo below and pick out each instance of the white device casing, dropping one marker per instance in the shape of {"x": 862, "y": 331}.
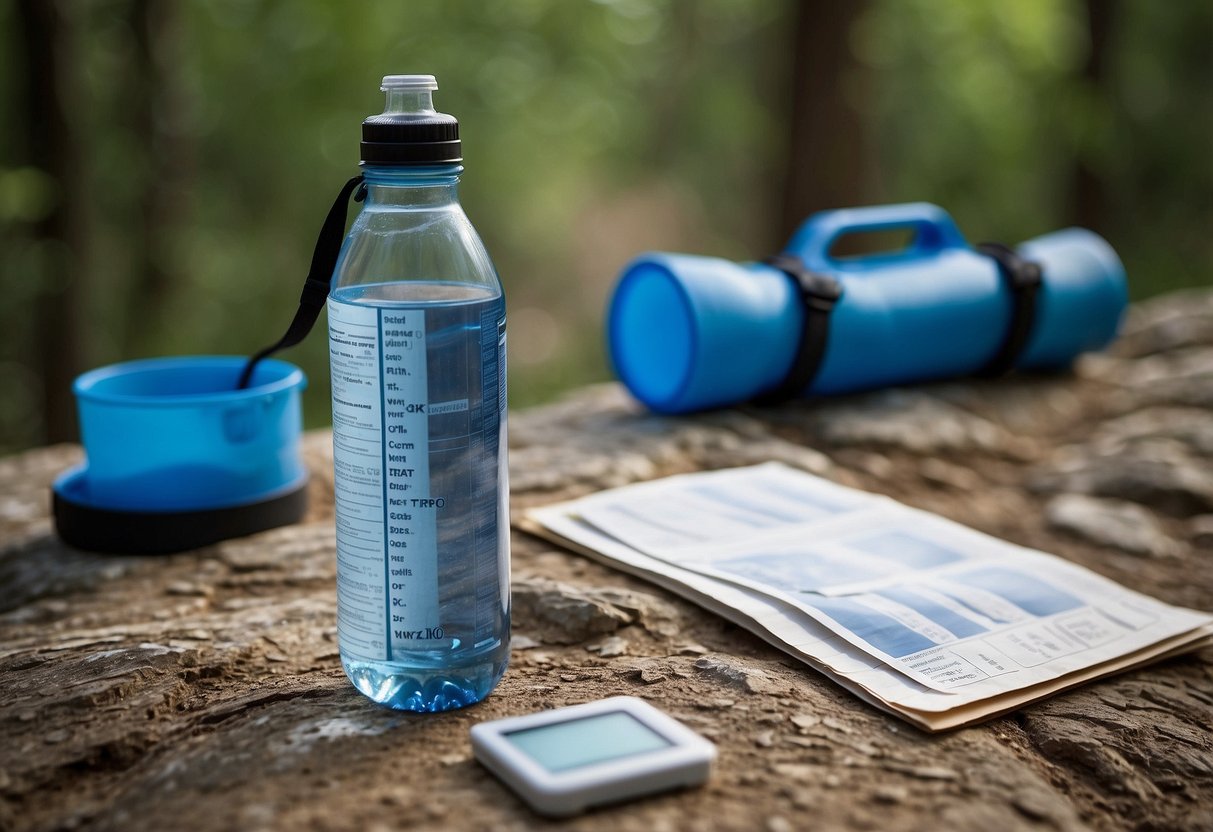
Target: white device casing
{"x": 686, "y": 762}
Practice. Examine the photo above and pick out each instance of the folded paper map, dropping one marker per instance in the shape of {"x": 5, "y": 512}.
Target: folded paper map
{"x": 921, "y": 616}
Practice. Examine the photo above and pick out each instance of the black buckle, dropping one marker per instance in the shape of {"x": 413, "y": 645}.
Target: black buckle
{"x": 1024, "y": 278}
{"x": 819, "y": 294}
{"x": 1019, "y": 272}
{"x": 819, "y": 291}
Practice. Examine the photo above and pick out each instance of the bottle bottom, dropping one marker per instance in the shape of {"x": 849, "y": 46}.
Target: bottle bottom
{"x": 405, "y": 686}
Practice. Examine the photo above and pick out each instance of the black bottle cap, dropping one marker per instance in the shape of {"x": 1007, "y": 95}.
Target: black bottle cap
{"x": 409, "y": 131}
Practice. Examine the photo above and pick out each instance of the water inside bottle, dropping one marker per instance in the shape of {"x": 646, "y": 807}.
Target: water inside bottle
{"x": 421, "y": 502}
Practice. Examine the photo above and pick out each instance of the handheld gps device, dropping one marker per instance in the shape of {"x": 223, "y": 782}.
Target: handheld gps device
{"x": 564, "y": 761}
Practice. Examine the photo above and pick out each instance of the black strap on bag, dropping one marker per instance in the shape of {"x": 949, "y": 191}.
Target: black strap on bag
{"x": 819, "y": 294}
{"x": 1023, "y": 278}
{"x": 316, "y": 287}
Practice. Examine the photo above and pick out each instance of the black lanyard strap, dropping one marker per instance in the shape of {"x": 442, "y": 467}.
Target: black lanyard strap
{"x": 316, "y": 287}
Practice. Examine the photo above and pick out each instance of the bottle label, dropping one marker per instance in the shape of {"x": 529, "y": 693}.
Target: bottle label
{"x": 387, "y": 542}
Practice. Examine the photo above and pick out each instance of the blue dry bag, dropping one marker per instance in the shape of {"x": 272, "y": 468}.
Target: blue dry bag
{"x": 689, "y": 333}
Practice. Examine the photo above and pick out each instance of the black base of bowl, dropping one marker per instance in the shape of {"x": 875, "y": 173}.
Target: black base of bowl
{"x": 117, "y": 531}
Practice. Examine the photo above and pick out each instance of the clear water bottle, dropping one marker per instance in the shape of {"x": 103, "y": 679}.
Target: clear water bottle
{"x": 417, "y": 351}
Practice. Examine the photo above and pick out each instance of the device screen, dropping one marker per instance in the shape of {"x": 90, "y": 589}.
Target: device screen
{"x": 582, "y": 742}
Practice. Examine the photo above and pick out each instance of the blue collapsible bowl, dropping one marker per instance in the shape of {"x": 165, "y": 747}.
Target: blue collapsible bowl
{"x": 177, "y": 457}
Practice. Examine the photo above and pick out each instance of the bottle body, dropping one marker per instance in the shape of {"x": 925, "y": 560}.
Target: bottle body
{"x": 417, "y": 353}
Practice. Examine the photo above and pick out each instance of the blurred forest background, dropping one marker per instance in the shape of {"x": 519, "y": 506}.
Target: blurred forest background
{"x": 165, "y": 166}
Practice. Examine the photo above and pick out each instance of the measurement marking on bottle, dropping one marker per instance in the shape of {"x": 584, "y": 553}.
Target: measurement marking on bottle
{"x": 381, "y": 428}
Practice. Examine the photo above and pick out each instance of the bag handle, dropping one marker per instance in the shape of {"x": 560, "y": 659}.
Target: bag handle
{"x": 934, "y": 230}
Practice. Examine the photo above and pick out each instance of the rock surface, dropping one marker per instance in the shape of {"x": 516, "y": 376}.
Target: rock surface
{"x": 203, "y": 690}
{"x": 1121, "y": 525}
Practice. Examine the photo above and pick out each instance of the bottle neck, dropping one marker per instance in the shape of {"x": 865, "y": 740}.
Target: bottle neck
{"x": 409, "y": 100}
{"x": 412, "y": 186}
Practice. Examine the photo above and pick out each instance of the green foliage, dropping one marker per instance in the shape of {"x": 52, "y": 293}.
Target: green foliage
{"x": 986, "y": 108}
{"x": 974, "y": 120}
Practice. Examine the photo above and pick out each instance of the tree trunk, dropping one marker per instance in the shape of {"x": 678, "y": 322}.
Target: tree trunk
{"x": 52, "y": 147}
{"x": 826, "y": 148}
{"x": 157, "y": 117}
{"x": 1090, "y": 194}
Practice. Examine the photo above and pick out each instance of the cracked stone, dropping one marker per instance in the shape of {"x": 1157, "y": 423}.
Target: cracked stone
{"x": 922, "y": 772}
{"x": 559, "y": 613}
{"x": 912, "y": 420}
{"x": 1183, "y": 377}
{"x": 1166, "y": 323}
{"x": 734, "y": 674}
{"x": 1037, "y": 805}
{"x": 1200, "y": 530}
{"x": 938, "y": 472}
{"x": 651, "y": 676}
{"x": 795, "y": 771}
{"x": 1114, "y": 523}
{"x": 1174, "y": 483}
{"x": 610, "y": 648}
{"x": 1192, "y": 427}
{"x": 806, "y": 721}
{"x": 890, "y": 795}
{"x": 186, "y": 588}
